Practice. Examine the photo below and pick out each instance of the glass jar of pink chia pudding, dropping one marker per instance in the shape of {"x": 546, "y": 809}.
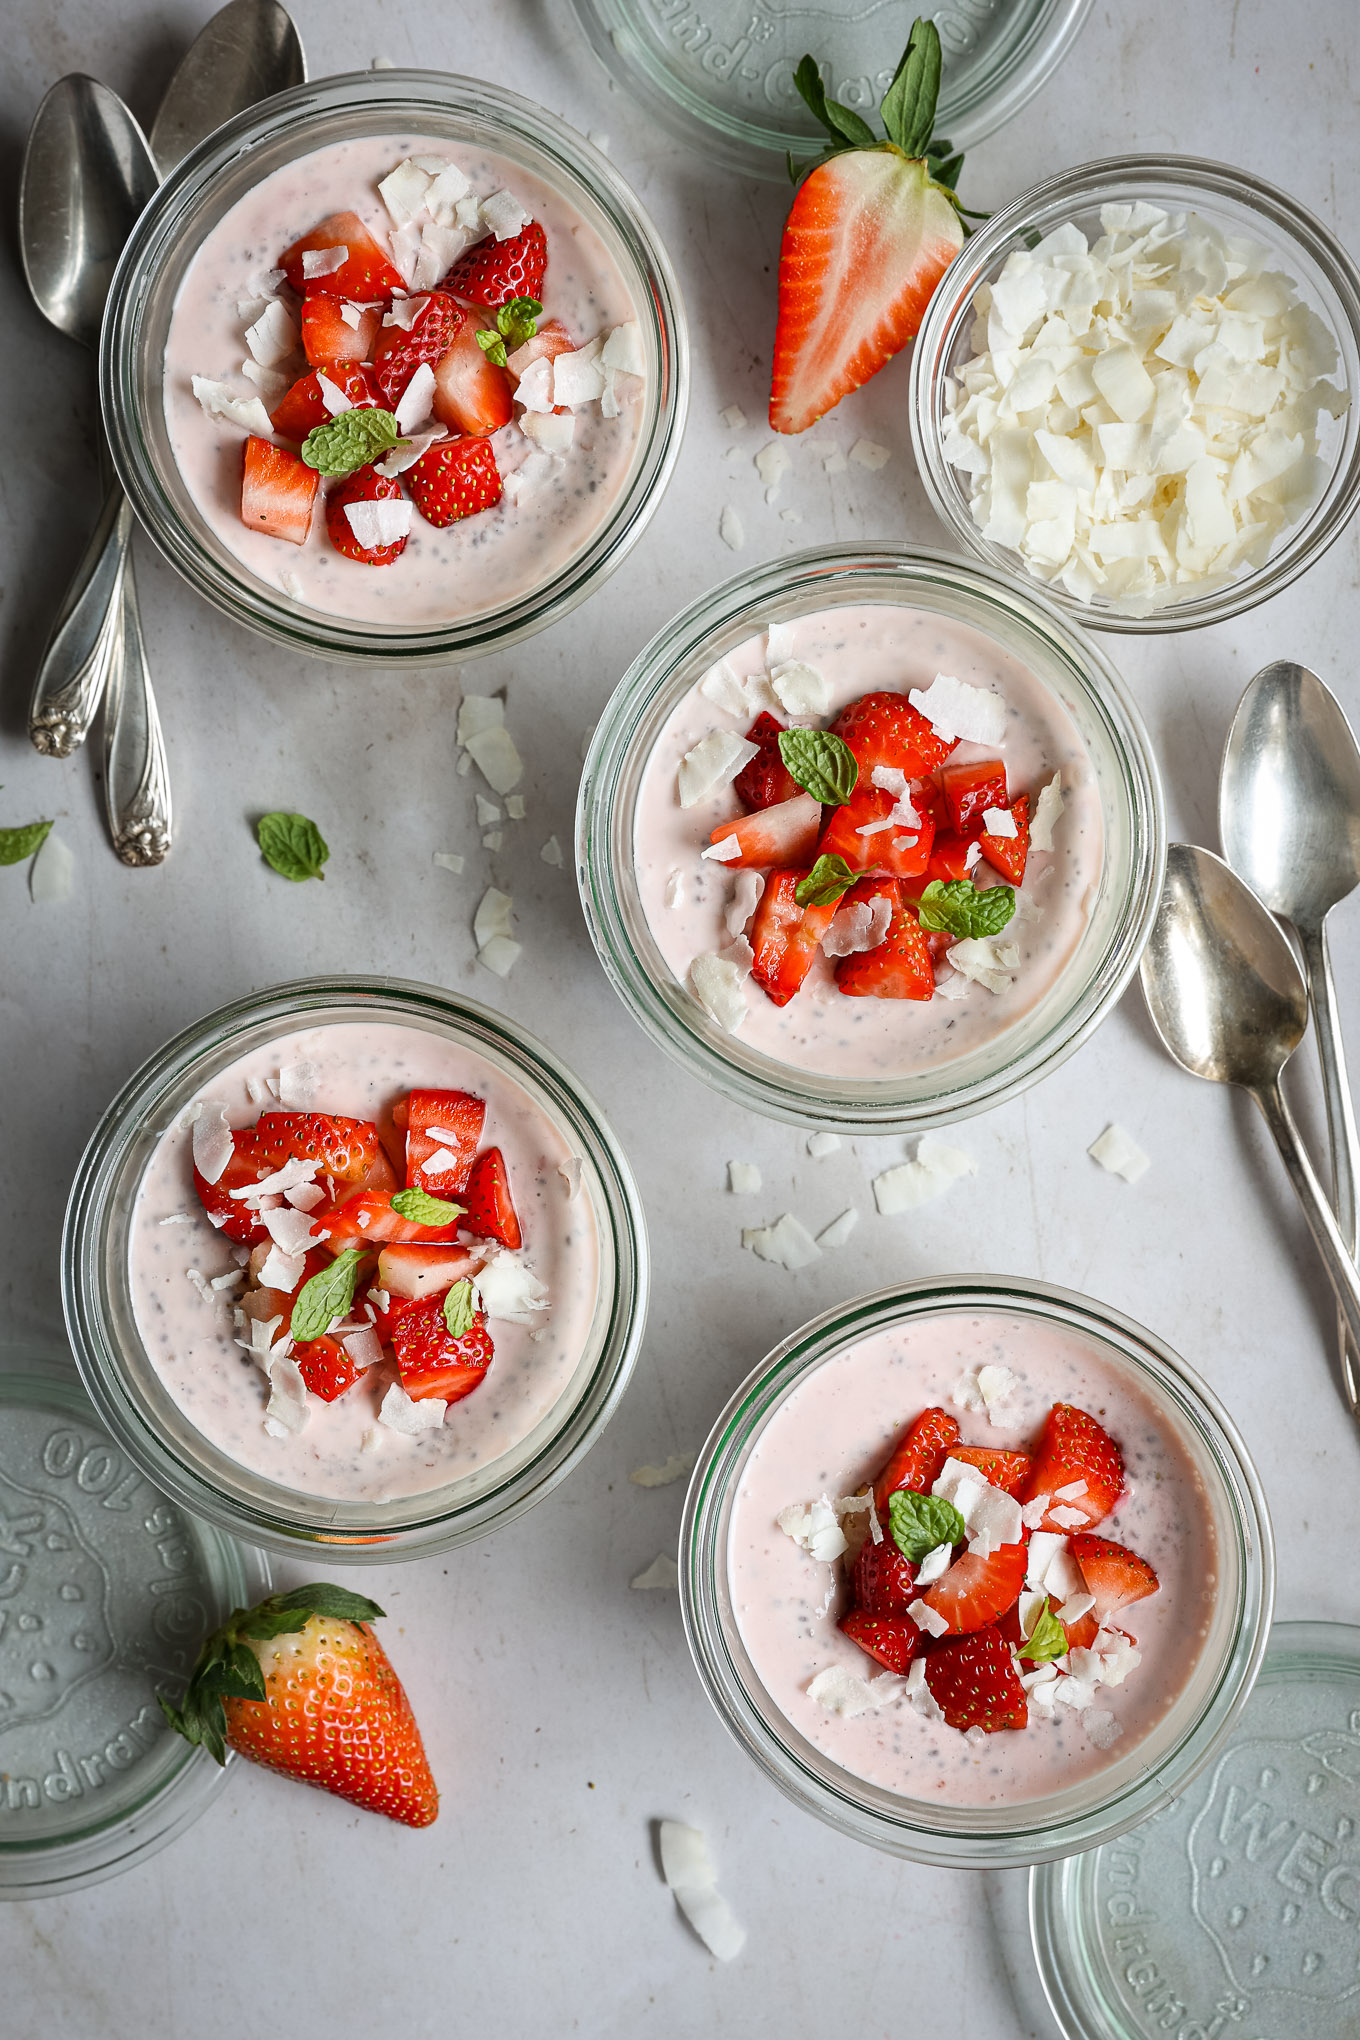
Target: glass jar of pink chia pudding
{"x": 199, "y": 272}
{"x": 818, "y": 1418}
{"x": 809, "y": 638}
{"x": 158, "y": 1294}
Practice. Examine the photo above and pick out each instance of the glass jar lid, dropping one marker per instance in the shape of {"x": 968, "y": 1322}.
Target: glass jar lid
{"x": 720, "y": 73}
{"x": 106, "y": 1592}
{"x": 1234, "y": 1911}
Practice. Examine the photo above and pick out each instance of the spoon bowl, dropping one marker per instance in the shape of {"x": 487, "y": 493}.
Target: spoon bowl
{"x": 1289, "y": 795}
{"x": 87, "y": 174}
{"x": 248, "y": 51}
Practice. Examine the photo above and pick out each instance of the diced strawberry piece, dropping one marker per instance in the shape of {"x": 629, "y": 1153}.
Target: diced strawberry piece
{"x": 454, "y": 478}
{"x": 347, "y": 1149}
{"x": 1009, "y": 854}
{"x": 949, "y": 859}
{"x": 366, "y": 273}
{"x": 784, "y": 835}
{"x": 1006, "y": 1470}
{"x": 326, "y": 1367}
{"x": 971, "y": 787}
{"x": 973, "y": 1681}
{"x": 1074, "y": 1449}
{"x": 492, "y": 272}
{"x": 408, "y": 1270}
{"x": 882, "y": 1581}
{"x": 365, "y": 485}
{"x": 766, "y": 780}
{"x": 401, "y": 350}
{"x": 889, "y": 1639}
{"x": 490, "y": 1209}
{"x": 430, "y": 1360}
{"x": 551, "y": 339}
{"x": 903, "y": 851}
{"x": 917, "y": 1460}
{"x": 900, "y": 967}
{"x": 975, "y": 1590}
{"x": 785, "y": 936}
{"x": 303, "y": 407}
{"x": 1114, "y": 1574}
{"x": 247, "y": 1164}
{"x": 884, "y": 729}
{"x": 443, "y": 1133}
{"x": 367, "y": 1218}
{"x": 471, "y": 393}
{"x": 277, "y": 491}
{"x": 327, "y": 334}
{"x": 1082, "y": 1633}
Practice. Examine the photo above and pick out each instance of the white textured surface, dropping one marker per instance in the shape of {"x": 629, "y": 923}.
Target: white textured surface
{"x": 542, "y": 1871}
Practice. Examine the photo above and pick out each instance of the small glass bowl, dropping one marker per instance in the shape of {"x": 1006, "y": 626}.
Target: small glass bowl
{"x": 1239, "y": 204}
{"x": 1068, "y": 663}
{"x": 156, "y": 1433}
{"x": 1128, "y": 1790}
{"x": 197, "y": 195}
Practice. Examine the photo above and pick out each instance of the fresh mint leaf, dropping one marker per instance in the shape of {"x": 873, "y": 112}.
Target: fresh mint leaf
{"x": 827, "y": 880}
{"x": 1047, "y": 1640}
{"x": 956, "y": 907}
{"x": 821, "y": 762}
{"x": 17, "y": 844}
{"x": 492, "y": 345}
{"x": 291, "y": 845}
{"x": 422, "y": 1209}
{"x": 326, "y": 1297}
{"x": 459, "y": 1310}
{"x": 350, "y": 441}
{"x": 516, "y": 322}
{"x": 917, "y": 1523}
{"x": 909, "y": 103}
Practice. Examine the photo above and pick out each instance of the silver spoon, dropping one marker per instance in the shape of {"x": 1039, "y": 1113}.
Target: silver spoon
{"x": 1230, "y": 1004}
{"x": 1289, "y": 817}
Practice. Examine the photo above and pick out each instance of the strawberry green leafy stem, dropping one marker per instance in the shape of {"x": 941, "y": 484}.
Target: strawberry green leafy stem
{"x": 228, "y": 1669}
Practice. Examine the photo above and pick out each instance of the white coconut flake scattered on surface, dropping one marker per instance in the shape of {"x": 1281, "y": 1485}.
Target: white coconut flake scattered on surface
{"x": 787, "y": 1243}
{"x": 364, "y": 1347}
{"x": 297, "y": 1085}
{"x": 1101, "y": 1727}
{"x": 838, "y": 1232}
{"x": 820, "y": 1145}
{"x": 688, "y": 1872}
{"x": 711, "y": 764}
{"x": 177, "y": 1218}
{"x": 449, "y": 860}
{"x": 747, "y": 888}
{"x": 504, "y": 215}
{"x": 999, "y": 821}
{"x": 954, "y": 709}
{"x": 721, "y": 686}
{"x": 663, "y": 1572}
{"x": 985, "y": 1388}
{"x": 869, "y": 454}
{"x": 534, "y": 390}
{"x": 403, "y": 192}
{"x": 332, "y": 396}
{"x": 927, "y": 1618}
{"x": 800, "y": 689}
{"x": 577, "y": 376}
{"x": 743, "y": 1178}
{"x": 724, "y": 851}
{"x": 268, "y": 381}
{"x": 514, "y": 807}
{"x": 1119, "y": 1154}
{"x": 772, "y": 464}
{"x": 282, "y": 1271}
{"x": 734, "y": 418}
{"x": 413, "y": 409}
{"x": 478, "y": 712}
{"x": 570, "y": 1172}
{"x": 1047, "y": 809}
{"x": 858, "y": 926}
{"x": 273, "y": 336}
{"x": 986, "y": 960}
{"x": 219, "y": 401}
{"x": 487, "y": 811}
{"x": 288, "y": 1399}
{"x": 672, "y": 1468}
{"x": 381, "y": 523}
{"x": 508, "y": 1288}
{"x": 51, "y": 875}
{"x": 718, "y": 985}
{"x": 494, "y": 916}
{"x": 841, "y": 1691}
{"x": 495, "y": 756}
{"x": 918, "y": 1693}
{"x": 928, "y": 1176}
{"x": 404, "y": 311}
{"x": 551, "y": 853}
{"x": 500, "y": 955}
{"x": 200, "y": 1282}
{"x": 291, "y": 1230}
{"x": 815, "y": 1527}
{"x": 401, "y": 1413}
{"x": 212, "y": 1143}
{"x": 731, "y": 530}
{"x": 934, "y": 1564}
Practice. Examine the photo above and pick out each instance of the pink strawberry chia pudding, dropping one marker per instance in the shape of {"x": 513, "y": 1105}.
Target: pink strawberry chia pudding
{"x": 833, "y": 1435}
{"x": 705, "y": 913}
{"x": 234, "y": 353}
{"x": 198, "y": 1339}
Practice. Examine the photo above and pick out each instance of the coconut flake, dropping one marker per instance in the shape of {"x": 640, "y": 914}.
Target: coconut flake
{"x": 934, "y": 1564}
{"x": 494, "y": 753}
{"x": 364, "y": 1347}
{"x": 478, "y": 712}
{"x": 212, "y": 1142}
{"x": 577, "y": 377}
{"x": 297, "y": 1085}
{"x": 918, "y": 1693}
{"x": 551, "y": 853}
{"x": 801, "y": 689}
{"x": 731, "y": 530}
{"x": 449, "y": 860}
{"x": 868, "y": 454}
{"x": 219, "y": 401}
{"x": 787, "y": 1243}
{"x": 985, "y": 960}
{"x": 985, "y": 1388}
{"x": 711, "y": 764}
{"x": 917, "y": 1182}
{"x": 858, "y": 926}
{"x": 840, "y": 1691}
{"x": 772, "y": 464}
{"x": 413, "y": 409}
{"x": 820, "y": 1145}
{"x": 503, "y": 214}
{"x": 976, "y": 715}
{"x": 838, "y": 1232}
{"x": 927, "y": 1618}
{"x": 507, "y": 1287}
{"x": 403, "y": 192}
{"x": 743, "y": 1178}
{"x": 500, "y": 955}
{"x": 746, "y": 891}
{"x": 1119, "y": 1154}
{"x": 287, "y": 1409}
{"x": 268, "y": 381}
{"x": 282, "y": 1271}
{"x": 273, "y": 336}
{"x": 815, "y": 1528}
{"x": 1047, "y": 809}
{"x": 717, "y": 983}
{"x": 400, "y": 1413}
{"x": 663, "y": 1572}
{"x": 494, "y": 916}
{"x": 379, "y": 524}
{"x": 689, "y": 1873}
{"x": 672, "y": 1468}
{"x": 1101, "y": 1727}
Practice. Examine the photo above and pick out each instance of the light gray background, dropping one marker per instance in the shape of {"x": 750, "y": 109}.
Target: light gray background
{"x": 560, "y": 1710}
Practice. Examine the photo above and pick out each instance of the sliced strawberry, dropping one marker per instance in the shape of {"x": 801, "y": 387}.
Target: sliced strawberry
{"x": 455, "y": 478}
{"x": 900, "y": 967}
{"x": 365, "y": 485}
{"x": 884, "y": 729}
{"x": 1082, "y": 1633}
{"x": 430, "y": 1360}
{"x": 975, "y": 1591}
{"x": 247, "y": 1164}
{"x": 365, "y": 275}
{"x": 326, "y": 1367}
{"x": 882, "y": 1581}
{"x": 327, "y": 335}
{"x": 367, "y": 1218}
{"x": 890, "y": 1639}
{"x": 1006, "y": 1470}
{"x": 969, "y": 788}
{"x": 973, "y": 1681}
{"x": 551, "y": 339}
{"x": 490, "y": 1209}
{"x": 766, "y": 780}
{"x": 303, "y": 408}
{"x": 492, "y": 272}
{"x": 277, "y": 491}
{"x": 347, "y": 1149}
{"x": 783, "y": 835}
{"x": 1009, "y": 854}
{"x": 401, "y": 350}
{"x": 471, "y": 394}
{"x": 443, "y": 1132}
{"x": 785, "y": 936}
{"x": 905, "y": 852}
{"x": 949, "y": 859}
{"x": 917, "y": 1460}
{"x": 409, "y": 1269}
{"x": 1075, "y": 1448}
{"x": 1114, "y": 1574}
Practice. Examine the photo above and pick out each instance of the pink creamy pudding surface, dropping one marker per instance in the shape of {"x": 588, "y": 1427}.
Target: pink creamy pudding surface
{"x": 363, "y": 1069}
{"x": 863, "y": 649}
{"x": 466, "y": 568}
{"x": 835, "y": 1431}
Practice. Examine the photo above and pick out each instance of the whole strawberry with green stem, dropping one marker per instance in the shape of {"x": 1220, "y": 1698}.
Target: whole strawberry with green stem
{"x": 871, "y": 230}
{"x": 301, "y": 1685}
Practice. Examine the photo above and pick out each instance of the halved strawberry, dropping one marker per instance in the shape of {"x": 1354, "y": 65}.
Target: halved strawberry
{"x": 327, "y": 335}
{"x": 411, "y": 1269}
{"x": 551, "y": 339}
{"x": 904, "y": 851}
{"x": 302, "y": 408}
{"x": 975, "y": 1590}
{"x": 326, "y": 1367}
{"x": 492, "y": 272}
{"x": 347, "y": 1149}
{"x": 969, "y": 788}
{"x": 785, "y": 834}
{"x": 246, "y": 1165}
{"x": 785, "y": 936}
{"x": 1073, "y": 1449}
{"x": 365, "y": 274}
{"x": 400, "y": 350}
{"x": 890, "y": 1639}
{"x": 367, "y": 1217}
{"x": 429, "y": 1358}
{"x": 471, "y": 394}
{"x": 900, "y": 967}
{"x": 917, "y": 1460}
{"x": 1006, "y": 1470}
{"x": 489, "y": 1212}
{"x": 766, "y": 780}
{"x": 277, "y": 491}
{"x": 884, "y": 729}
{"x": 365, "y": 485}
{"x": 973, "y": 1681}
{"x": 1009, "y": 854}
{"x": 1114, "y": 1574}
{"x": 454, "y": 478}
{"x": 443, "y": 1131}
{"x": 882, "y": 1581}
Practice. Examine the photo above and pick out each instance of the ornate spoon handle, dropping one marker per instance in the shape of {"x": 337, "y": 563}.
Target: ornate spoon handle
{"x": 83, "y": 646}
{"x": 136, "y": 770}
